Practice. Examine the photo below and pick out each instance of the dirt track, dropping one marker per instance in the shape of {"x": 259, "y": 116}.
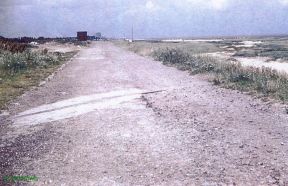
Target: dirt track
{"x": 94, "y": 124}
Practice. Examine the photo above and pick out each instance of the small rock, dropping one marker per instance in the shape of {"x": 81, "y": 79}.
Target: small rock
{"x": 241, "y": 146}
{"x": 1, "y": 80}
{"x": 260, "y": 163}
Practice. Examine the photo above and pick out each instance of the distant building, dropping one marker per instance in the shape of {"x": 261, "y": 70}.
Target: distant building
{"x": 82, "y": 36}
{"x": 98, "y": 35}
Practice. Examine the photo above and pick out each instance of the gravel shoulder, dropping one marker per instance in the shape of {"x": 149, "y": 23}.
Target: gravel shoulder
{"x": 102, "y": 121}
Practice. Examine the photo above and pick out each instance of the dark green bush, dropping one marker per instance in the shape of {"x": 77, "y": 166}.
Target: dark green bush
{"x": 172, "y": 56}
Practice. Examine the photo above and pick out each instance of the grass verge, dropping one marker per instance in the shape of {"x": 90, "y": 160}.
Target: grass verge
{"x": 21, "y": 71}
{"x": 264, "y": 81}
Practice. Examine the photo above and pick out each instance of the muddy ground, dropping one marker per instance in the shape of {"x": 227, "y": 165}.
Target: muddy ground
{"x": 111, "y": 117}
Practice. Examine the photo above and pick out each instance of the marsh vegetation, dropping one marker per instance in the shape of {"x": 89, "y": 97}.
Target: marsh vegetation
{"x": 228, "y": 72}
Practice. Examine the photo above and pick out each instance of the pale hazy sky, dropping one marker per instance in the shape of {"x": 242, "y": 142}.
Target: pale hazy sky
{"x": 151, "y": 18}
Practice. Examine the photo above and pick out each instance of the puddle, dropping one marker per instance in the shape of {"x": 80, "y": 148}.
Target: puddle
{"x": 78, "y": 106}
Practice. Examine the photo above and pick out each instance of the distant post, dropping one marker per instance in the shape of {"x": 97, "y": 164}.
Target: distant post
{"x": 132, "y": 34}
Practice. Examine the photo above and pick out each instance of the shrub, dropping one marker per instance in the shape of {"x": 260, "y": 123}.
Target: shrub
{"x": 172, "y": 56}
{"x": 13, "y": 63}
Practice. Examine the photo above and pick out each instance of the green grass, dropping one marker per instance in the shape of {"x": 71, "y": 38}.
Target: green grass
{"x": 29, "y": 70}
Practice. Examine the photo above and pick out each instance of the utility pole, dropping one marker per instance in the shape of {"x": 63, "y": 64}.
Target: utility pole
{"x": 132, "y": 36}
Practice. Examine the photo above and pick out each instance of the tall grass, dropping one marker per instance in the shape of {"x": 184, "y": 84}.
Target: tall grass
{"x": 230, "y": 74}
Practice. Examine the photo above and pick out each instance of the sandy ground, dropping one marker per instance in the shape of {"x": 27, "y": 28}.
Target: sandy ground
{"x": 58, "y": 47}
{"x": 111, "y": 117}
{"x": 262, "y": 62}
{"x": 281, "y": 66}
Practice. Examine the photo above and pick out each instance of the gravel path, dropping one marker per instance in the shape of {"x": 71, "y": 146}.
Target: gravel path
{"x": 111, "y": 117}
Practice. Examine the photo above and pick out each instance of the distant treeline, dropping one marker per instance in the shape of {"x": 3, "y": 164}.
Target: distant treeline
{"x": 20, "y": 44}
{"x": 12, "y": 45}
{"x": 36, "y": 39}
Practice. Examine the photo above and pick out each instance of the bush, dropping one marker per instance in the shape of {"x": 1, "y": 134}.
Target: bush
{"x": 13, "y": 63}
{"x": 172, "y": 56}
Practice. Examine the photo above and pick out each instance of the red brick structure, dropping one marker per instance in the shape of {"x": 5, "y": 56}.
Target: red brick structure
{"x": 82, "y": 36}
